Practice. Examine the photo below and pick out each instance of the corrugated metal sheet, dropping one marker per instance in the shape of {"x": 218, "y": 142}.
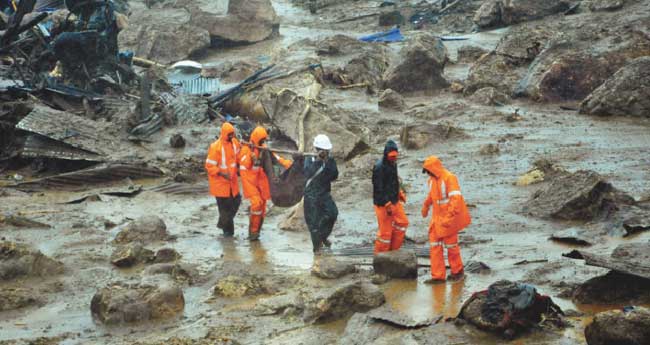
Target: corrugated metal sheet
{"x": 76, "y": 131}
{"x": 39, "y": 146}
{"x": 104, "y": 173}
{"x": 181, "y": 188}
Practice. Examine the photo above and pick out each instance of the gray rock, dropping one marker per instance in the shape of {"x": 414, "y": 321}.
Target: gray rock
{"x": 470, "y": 53}
{"x": 246, "y": 21}
{"x": 177, "y": 141}
{"x": 167, "y": 255}
{"x": 477, "y": 267}
{"x": 16, "y": 298}
{"x": 490, "y": 96}
{"x": 181, "y": 273}
{"x": 605, "y": 5}
{"x": 396, "y": 264}
{"x": 419, "y": 67}
{"x": 391, "y": 100}
{"x": 131, "y": 254}
{"x": 125, "y": 304}
{"x": 242, "y": 285}
{"x": 329, "y": 268}
{"x": 583, "y": 195}
{"x": 290, "y": 304}
{"x": 503, "y": 13}
{"x": 145, "y": 230}
{"x": 361, "y": 329}
{"x": 497, "y": 71}
{"x": 163, "y": 35}
{"x": 620, "y": 327}
{"x": 338, "y": 302}
{"x": 573, "y": 236}
{"x": 422, "y": 134}
{"x": 18, "y": 260}
{"x": 627, "y": 92}
{"x": 613, "y": 287}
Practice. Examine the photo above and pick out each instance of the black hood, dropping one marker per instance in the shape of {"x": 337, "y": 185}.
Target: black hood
{"x": 390, "y": 146}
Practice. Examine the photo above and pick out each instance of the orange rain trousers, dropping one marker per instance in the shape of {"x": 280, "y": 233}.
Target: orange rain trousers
{"x": 392, "y": 228}
{"x": 438, "y": 270}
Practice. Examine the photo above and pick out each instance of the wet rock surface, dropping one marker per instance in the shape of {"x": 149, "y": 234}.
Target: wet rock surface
{"x": 605, "y": 5}
{"x": 391, "y": 100}
{"x": 16, "y": 298}
{"x": 628, "y": 326}
{"x": 331, "y": 268}
{"x": 126, "y": 304}
{"x": 489, "y": 96}
{"x": 338, "y": 302}
{"x": 396, "y": 264}
{"x": 502, "y": 13}
{"x": 163, "y": 35}
{"x": 624, "y": 93}
{"x": 130, "y": 255}
{"x": 583, "y": 195}
{"x": 144, "y": 230}
{"x": 429, "y": 54}
{"x": 470, "y": 53}
{"x": 613, "y": 287}
{"x": 19, "y": 260}
{"x": 246, "y": 21}
{"x": 420, "y": 135}
{"x": 243, "y": 285}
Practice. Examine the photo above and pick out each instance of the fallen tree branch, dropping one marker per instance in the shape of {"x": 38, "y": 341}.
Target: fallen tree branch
{"x": 352, "y": 86}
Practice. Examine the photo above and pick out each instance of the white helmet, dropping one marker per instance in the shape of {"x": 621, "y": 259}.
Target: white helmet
{"x": 322, "y": 142}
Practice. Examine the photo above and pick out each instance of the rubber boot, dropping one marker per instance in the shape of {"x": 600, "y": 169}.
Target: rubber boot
{"x": 254, "y": 226}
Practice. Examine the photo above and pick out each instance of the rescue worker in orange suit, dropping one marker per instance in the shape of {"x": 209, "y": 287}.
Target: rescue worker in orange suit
{"x": 450, "y": 216}
{"x": 388, "y": 199}
{"x": 254, "y": 180}
{"x": 221, "y": 165}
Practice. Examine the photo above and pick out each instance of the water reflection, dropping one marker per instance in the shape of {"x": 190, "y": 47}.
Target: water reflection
{"x": 422, "y": 301}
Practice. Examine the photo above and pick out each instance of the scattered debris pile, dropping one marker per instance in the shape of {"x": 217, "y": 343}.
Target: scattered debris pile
{"x": 509, "y": 309}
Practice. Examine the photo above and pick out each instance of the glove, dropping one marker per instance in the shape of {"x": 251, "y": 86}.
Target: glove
{"x": 389, "y": 208}
{"x": 425, "y": 211}
{"x": 402, "y": 196}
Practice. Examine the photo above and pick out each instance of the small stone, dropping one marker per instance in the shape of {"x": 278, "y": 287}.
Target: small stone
{"x": 391, "y": 100}
{"x": 396, "y": 264}
{"x": 177, "y": 141}
{"x": 166, "y": 255}
{"x": 489, "y": 150}
{"x": 457, "y": 87}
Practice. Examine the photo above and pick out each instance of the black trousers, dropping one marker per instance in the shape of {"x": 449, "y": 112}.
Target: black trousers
{"x": 228, "y": 208}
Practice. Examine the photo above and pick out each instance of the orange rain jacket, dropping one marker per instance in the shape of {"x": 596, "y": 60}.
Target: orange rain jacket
{"x": 222, "y": 158}
{"x": 450, "y": 213}
{"x": 254, "y": 179}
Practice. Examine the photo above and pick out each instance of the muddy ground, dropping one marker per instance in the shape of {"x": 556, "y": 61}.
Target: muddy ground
{"x": 501, "y": 235}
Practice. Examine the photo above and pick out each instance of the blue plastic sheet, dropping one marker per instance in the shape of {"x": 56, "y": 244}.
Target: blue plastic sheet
{"x": 392, "y": 35}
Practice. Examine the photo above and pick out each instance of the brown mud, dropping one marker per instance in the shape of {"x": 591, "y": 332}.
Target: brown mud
{"x": 500, "y": 235}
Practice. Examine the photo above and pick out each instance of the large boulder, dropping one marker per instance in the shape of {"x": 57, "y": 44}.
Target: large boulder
{"x": 469, "y": 53}
{"x": 163, "y": 35}
{"x": 613, "y": 287}
{"x": 627, "y": 92}
{"x": 422, "y": 134}
{"x": 583, "y": 195}
{"x": 391, "y": 100}
{"x": 569, "y": 68}
{"x": 419, "y": 66}
{"x": 246, "y": 21}
{"x": 493, "y": 70}
{"x": 367, "y": 67}
{"x": 630, "y": 326}
{"x": 329, "y": 268}
{"x": 145, "y": 229}
{"x": 396, "y": 264}
{"x": 335, "y": 303}
{"x": 503, "y": 13}
{"x": 123, "y": 304}
{"x": 19, "y": 260}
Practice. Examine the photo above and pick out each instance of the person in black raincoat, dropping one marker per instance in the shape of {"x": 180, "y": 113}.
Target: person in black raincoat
{"x": 320, "y": 209}
{"x": 388, "y": 199}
